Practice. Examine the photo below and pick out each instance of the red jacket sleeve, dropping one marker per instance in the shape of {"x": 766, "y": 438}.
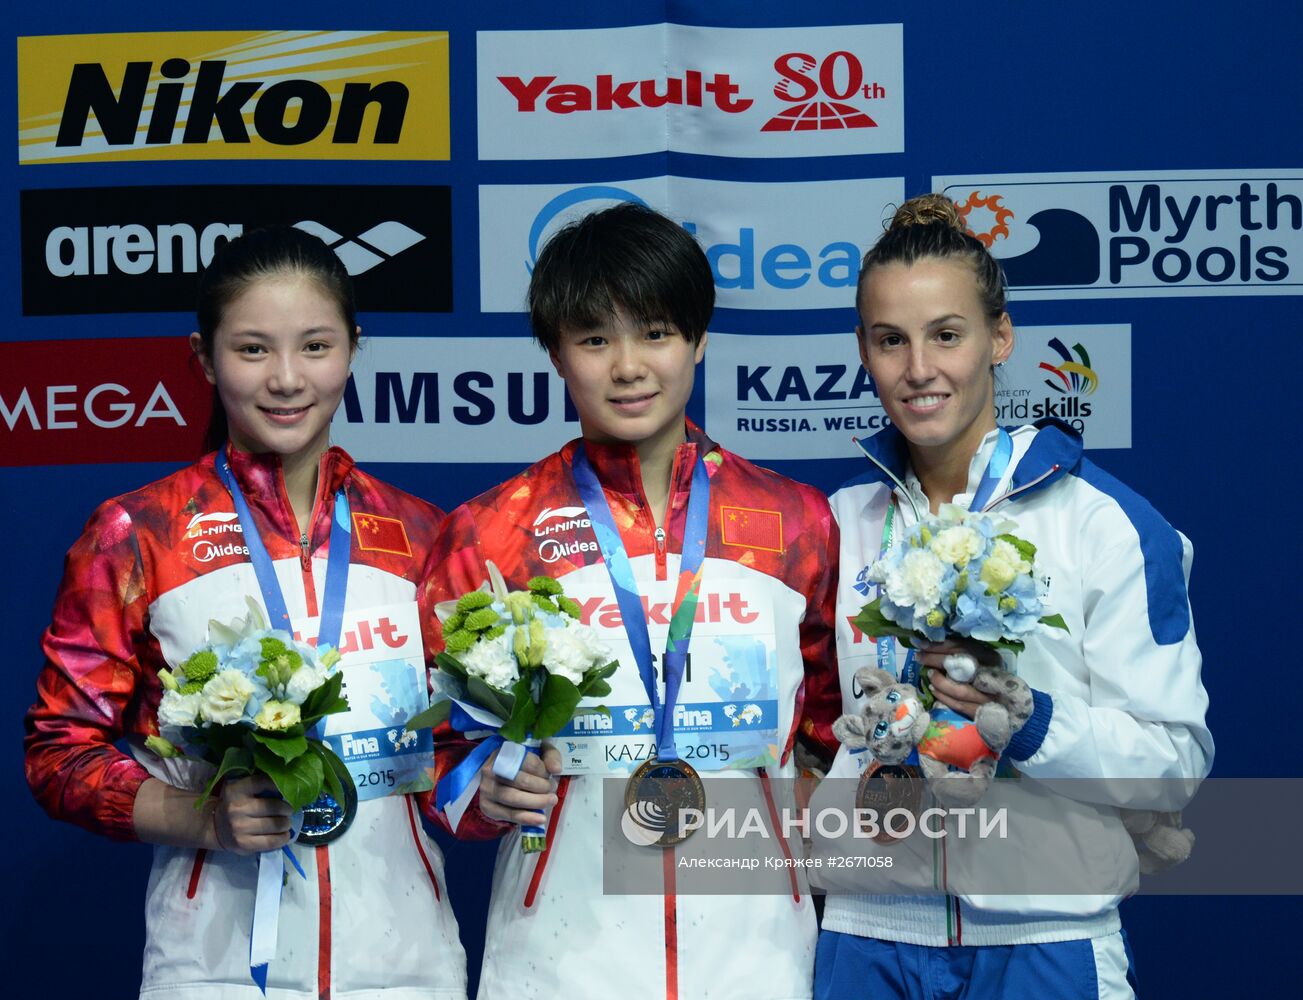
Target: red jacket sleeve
{"x": 92, "y": 677}
{"x": 820, "y": 701}
{"x": 455, "y": 566}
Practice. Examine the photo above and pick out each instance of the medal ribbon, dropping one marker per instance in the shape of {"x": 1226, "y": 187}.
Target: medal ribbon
{"x": 994, "y": 471}
{"x": 693, "y": 554}
{"x": 271, "y": 864}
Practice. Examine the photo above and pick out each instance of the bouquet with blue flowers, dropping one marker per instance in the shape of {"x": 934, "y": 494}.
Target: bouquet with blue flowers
{"x": 958, "y": 573}
{"x": 246, "y": 703}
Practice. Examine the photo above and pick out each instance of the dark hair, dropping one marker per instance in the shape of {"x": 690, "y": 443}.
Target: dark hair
{"x": 267, "y": 252}
{"x": 931, "y": 226}
{"x": 628, "y": 257}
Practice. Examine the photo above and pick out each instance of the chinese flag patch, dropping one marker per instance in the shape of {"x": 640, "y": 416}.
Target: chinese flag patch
{"x": 748, "y": 528}
{"x": 381, "y": 534}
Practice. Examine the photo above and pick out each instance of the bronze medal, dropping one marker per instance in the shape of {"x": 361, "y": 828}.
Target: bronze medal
{"x": 655, "y": 797}
{"x": 884, "y": 787}
{"x": 327, "y": 818}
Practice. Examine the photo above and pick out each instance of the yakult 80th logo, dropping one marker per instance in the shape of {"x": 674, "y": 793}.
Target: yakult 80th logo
{"x": 716, "y": 91}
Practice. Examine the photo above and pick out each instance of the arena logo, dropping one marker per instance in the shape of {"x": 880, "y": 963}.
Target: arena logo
{"x": 137, "y": 249}
{"x": 812, "y": 91}
{"x": 1066, "y": 236}
{"x": 322, "y": 94}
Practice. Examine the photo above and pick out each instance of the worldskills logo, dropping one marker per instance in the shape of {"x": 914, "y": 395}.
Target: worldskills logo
{"x": 1071, "y": 377}
{"x": 1051, "y": 247}
{"x": 818, "y": 90}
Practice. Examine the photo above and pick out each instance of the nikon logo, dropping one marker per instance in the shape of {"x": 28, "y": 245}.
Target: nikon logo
{"x": 288, "y": 113}
{"x": 232, "y": 94}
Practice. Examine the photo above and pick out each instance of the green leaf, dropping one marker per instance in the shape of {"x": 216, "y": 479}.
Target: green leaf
{"x": 236, "y": 761}
{"x": 1025, "y": 548}
{"x": 556, "y": 707}
{"x": 872, "y": 622}
{"x": 431, "y": 718}
{"x": 593, "y": 683}
{"x": 590, "y": 710}
{"x": 1055, "y": 621}
{"x": 498, "y": 702}
{"x": 523, "y": 713}
{"x": 449, "y": 665}
{"x": 1014, "y": 646}
{"x": 286, "y": 746}
{"x": 325, "y": 700}
{"x": 333, "y": 770}
{"x": 298, "y": 781}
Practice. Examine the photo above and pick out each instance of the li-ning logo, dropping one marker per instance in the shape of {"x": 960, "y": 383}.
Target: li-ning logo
{"x": 556, "y": 520}
{"x": 375, "y": 246}
{"x": 207, "y": 525}
{"x": 818, "y": 89}
{"x": 991, "y": 221}
{"x": 1071, "y": 377}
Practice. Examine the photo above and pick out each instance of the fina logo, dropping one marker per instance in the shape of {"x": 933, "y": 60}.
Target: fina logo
{"x": 1065, "y": 244}
{"x": 566, "y": 201}
{"x": 377, "y": 245}
{"x": 1075, "y": 378}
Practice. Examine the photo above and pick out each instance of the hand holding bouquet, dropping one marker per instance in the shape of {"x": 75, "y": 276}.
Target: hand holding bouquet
{"x": 516, "y": 664}
{"x": 246, "y": 703}
{"x": 954, "y": 574}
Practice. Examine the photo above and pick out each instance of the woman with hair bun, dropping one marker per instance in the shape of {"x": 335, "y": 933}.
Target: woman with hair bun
{"x": 277, "y": 333}
{"x": 1116, "y": 696}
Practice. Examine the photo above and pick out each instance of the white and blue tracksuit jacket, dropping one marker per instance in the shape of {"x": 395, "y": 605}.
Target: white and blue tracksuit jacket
{"x": 1118, "y": 695}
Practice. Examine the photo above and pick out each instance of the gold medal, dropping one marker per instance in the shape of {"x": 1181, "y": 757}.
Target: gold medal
{"x": 655, "y": 798}
{"x": 884, "y": 787}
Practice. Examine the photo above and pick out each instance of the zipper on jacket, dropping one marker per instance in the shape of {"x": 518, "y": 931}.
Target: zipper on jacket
{"x": 1023, "y": 488}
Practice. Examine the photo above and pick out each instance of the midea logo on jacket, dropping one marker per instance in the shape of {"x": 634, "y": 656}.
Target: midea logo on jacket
{"x": 137, "y": 249}
{"x": 558, "y": 520}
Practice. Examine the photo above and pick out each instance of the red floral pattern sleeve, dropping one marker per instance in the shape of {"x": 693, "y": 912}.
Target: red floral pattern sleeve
{"x": 92, "y": 681}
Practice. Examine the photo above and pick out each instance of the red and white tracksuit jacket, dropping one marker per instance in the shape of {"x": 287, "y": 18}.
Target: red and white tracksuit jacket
{"x": 140, "y": 585}
{"x": 551, "y": 930}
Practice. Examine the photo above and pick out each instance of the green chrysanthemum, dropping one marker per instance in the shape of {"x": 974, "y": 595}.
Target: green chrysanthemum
{"x": 201, "y": 666}
{"x": 569, "y": 606}
{"x": 545, "y": 604}
{"x": 454, "y": 623}
{"x": 477, "y": 621}
{"x": 493, "y": 633}
{"x": 543, "y": 585}
{"x": 474, "y": 600}
{"x": 459, "y": 641}
{"x": 193, "y": 687}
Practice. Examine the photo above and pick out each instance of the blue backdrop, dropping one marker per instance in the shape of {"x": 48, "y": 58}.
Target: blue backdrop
{"x": 1110, "y": 93}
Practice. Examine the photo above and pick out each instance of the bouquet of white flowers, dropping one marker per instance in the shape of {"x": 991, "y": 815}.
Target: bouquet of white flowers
{"x": 958, "y": 573}
{"x": 518, "y": 662}
{"x": 245, "y": 704}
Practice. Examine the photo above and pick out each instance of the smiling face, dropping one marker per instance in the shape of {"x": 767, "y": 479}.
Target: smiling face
{"x": 930, "y": 347}
{"x": 629, "y": 381}
{"x": 280, "y": 360}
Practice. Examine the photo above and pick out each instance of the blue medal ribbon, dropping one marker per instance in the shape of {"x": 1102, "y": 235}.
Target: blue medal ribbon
{"x": 271, "y": 864}
{"x": 994, "y": 471}
{"x": 693, "y": 553}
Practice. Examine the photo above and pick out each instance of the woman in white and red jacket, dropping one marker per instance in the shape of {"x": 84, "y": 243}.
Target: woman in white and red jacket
{"x": 276, "y": 335}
